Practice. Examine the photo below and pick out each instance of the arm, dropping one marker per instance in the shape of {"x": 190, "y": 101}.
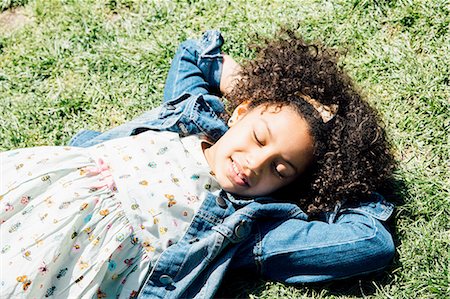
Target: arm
{"x": 196, "y": 67}
{"x": 199, "y": 67}
{"x": 191, "y": 85}
{"x": 298, "y": 251}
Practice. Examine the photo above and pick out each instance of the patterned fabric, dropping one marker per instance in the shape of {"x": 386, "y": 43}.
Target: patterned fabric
{"x": 92, "y": 222}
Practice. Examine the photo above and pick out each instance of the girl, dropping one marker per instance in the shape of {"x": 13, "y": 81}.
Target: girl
{"x": 161, "y": 215}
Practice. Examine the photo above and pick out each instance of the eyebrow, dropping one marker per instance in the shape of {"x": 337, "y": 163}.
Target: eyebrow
{"x": 270, "y": 136}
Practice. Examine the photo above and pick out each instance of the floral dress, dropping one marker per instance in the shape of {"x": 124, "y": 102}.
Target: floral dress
{"x": 83, "y": 223}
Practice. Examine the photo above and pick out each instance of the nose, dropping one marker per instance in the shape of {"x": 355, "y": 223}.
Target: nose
{"x": 257, "y": 160}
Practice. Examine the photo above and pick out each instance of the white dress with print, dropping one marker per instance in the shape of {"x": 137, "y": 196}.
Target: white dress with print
{"x": 91, "y": 222}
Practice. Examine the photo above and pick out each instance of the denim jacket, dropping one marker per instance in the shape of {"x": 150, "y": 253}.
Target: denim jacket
{"x": 274, "y": 239}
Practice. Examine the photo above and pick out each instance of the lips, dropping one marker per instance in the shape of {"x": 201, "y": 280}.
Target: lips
{"x": 237, "y": 174}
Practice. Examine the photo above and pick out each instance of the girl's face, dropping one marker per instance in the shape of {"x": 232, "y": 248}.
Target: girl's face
{"x": 266, "y": 148}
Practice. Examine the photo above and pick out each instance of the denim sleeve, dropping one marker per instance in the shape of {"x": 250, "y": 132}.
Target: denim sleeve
{"x": 299, "y": 251}
{"x": 196, "y": 67}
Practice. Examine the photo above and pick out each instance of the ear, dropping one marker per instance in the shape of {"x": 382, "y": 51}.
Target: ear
{"x": 238, "y": 113}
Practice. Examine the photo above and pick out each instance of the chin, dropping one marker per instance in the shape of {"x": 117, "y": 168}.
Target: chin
{"x": 243, "y": 193}
{"x": 235, "y": 191}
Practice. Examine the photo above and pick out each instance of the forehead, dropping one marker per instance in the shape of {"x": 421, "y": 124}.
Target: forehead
{"x": 279, "y": 117}
{"x": 288, "y": 130}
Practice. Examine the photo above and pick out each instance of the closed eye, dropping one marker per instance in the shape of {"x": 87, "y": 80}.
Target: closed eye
{"x": 257, "y": 139}
{"x": 277, "y": 172}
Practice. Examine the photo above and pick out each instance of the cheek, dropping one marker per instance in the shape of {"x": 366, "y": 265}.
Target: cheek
{"x": 231, "y": 142}
{"x": 239, "y": 131}
{"x": 272, "y": 183}
{"x": 277, "y": 183}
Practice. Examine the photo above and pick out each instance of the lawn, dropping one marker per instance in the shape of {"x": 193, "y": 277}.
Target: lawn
{"x": 67, "y": 65}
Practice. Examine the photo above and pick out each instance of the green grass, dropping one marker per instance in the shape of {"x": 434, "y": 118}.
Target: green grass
{"x": 69, "y": 65}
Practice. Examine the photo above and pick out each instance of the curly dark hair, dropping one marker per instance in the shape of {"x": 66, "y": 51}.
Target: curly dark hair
{"x": 352, "y": 156}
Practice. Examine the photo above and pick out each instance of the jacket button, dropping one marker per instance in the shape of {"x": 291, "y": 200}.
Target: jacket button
{"x": 242, "y": 230}
{"x": 165, "y": 279}
{"x": 221, "y": 202}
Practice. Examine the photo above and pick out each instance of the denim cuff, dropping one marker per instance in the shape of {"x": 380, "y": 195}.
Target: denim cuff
{"x": 82, "y": 137}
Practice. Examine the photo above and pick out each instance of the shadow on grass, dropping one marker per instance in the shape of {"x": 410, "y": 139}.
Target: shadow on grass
{"x": 242, "y": 285}
{"x": 11, "y": 4}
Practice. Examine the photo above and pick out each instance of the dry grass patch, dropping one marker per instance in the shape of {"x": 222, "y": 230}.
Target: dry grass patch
{"x": 13, "y": 19}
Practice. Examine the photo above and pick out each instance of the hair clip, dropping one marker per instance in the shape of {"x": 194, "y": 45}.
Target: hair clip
{"x": 326, "y": 112}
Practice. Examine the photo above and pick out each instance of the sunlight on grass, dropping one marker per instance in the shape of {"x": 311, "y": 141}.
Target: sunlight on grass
{"x": 68, "y": 65}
